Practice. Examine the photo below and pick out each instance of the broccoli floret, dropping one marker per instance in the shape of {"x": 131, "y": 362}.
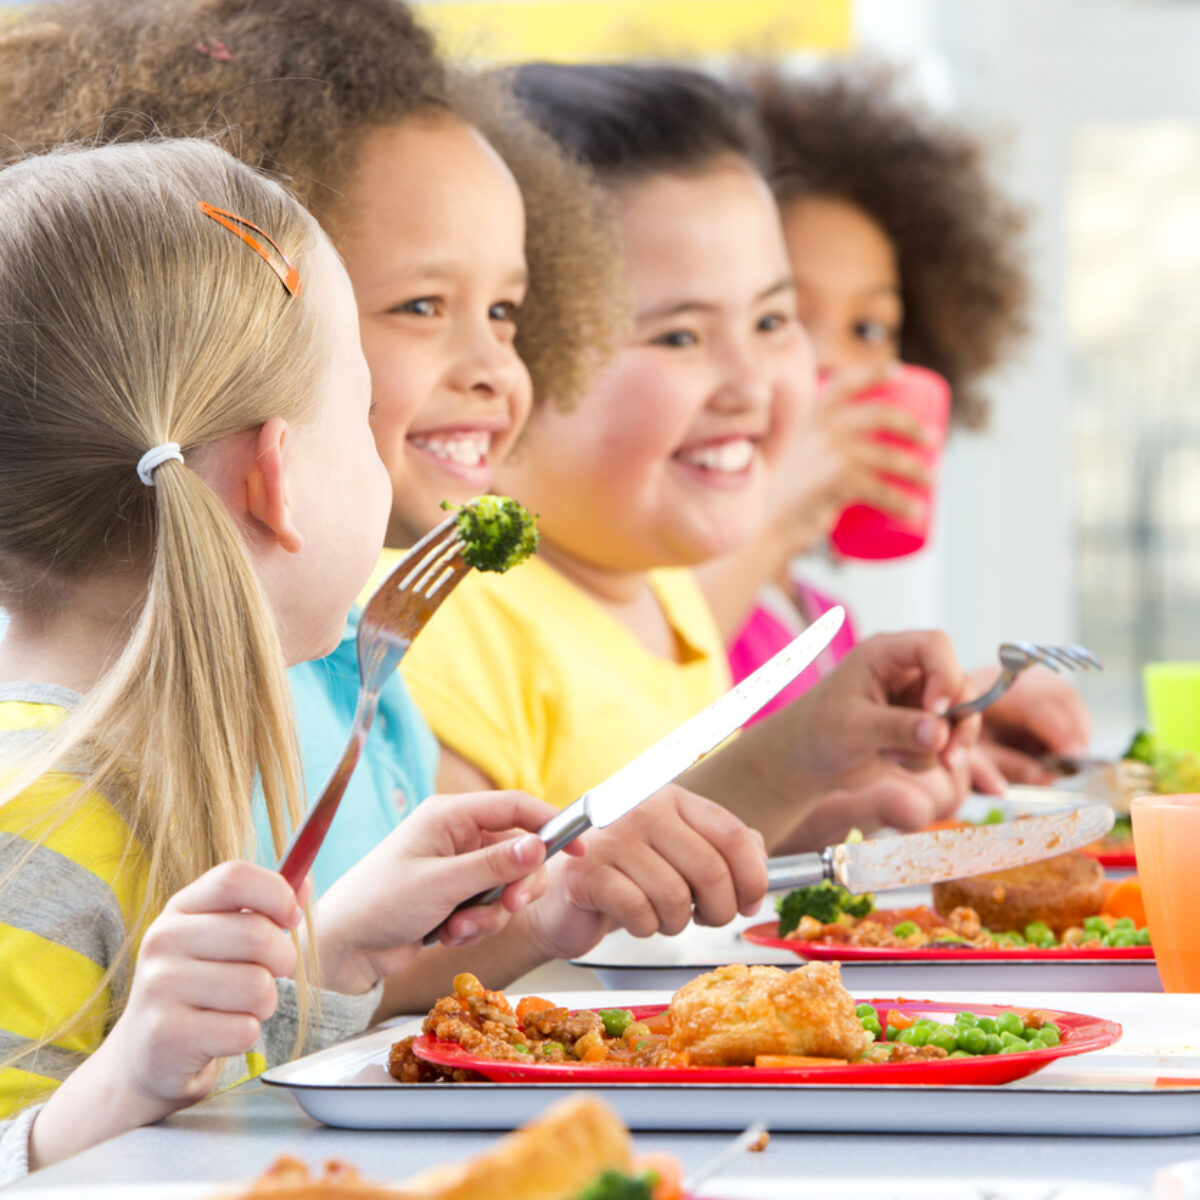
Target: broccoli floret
{"x": 616, "y": 1185}
{"x": 496, "y": 533}
{"x": 1142, "y": 749}
{"x": 858, "y": 906}
{"x": 823, "y": 902}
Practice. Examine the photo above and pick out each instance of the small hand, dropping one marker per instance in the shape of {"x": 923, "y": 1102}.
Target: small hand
{"x": 204, "y": 983}
{"x": 1041, "y": 714}
{"x": 676, "y": 857}
{"x": 371, "y": 922}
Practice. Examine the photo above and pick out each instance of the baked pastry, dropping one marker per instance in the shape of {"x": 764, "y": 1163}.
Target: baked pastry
{"x": 554, "y": 1157}
{"x": 733, "y": 1014}
{"x": 1060, "y": 891}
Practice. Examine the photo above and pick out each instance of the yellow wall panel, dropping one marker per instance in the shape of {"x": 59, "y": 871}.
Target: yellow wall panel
{"x": 598, "y": 30}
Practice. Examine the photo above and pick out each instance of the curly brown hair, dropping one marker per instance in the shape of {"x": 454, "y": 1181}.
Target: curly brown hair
{"x": 964, "y": 283}
{"x": 290, "y": 87}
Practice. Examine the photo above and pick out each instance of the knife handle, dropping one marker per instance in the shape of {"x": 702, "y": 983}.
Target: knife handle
{"x": 799, "y": 870}
{"x": 562, "y": 828}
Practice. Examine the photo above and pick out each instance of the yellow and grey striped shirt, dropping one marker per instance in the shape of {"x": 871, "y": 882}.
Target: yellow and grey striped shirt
{"x": 78, "y": 889}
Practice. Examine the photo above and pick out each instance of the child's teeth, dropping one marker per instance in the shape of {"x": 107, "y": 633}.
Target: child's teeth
{"x": 469, "y": 449}
{"x": 727, "y": 456}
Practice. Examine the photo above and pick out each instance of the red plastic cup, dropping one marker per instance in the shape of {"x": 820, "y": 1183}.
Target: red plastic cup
{"x": 866, "y": 532}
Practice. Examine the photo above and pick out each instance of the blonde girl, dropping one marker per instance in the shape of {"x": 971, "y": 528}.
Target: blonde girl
{"x": 464, "y": 230}
{"x": 190, "y": 498}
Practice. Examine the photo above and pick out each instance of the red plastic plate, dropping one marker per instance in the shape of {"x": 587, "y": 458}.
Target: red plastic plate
{"x": 767, "y": 934}
{"x": 1079, "y": 1035}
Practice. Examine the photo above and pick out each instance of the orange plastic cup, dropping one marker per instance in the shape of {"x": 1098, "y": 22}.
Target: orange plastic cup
{"x": 1166, "y": 834}
{"x": 865, "y": 532}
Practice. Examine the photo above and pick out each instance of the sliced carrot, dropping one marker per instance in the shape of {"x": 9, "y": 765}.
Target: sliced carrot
{"x": 898, "y": 1020}
{"x": 528, "y": 1005}
{"x": 945, "y": 823}
{"x": 1109, "y": 886}
{"x": 669, "y": 1172}
{"x": 1125, "y": 900}
{"x": 775, "y": 1061}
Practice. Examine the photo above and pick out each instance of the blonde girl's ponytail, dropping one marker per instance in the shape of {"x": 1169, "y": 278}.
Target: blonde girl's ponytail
{"x": 130, "y": 320}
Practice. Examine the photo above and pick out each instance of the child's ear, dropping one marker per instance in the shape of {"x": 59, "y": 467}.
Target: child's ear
{"x": 266, "y": 486}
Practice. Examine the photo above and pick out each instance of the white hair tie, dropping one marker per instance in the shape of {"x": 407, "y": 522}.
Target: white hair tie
{"x": 155, "y": 457}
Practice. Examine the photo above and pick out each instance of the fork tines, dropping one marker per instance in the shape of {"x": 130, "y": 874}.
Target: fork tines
{"x": 1071, "y": 657}
{"x": 436, "y": 565}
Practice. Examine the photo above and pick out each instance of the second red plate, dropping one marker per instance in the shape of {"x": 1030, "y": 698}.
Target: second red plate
{"x": 767, "y": 934}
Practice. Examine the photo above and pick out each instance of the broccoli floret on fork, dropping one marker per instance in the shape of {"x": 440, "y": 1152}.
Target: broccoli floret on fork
{"x": 496, "y": 532}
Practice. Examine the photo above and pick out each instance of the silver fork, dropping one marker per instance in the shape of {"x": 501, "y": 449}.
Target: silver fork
{"x": 394, "y": 615}
{"x": 1014, "y": 658}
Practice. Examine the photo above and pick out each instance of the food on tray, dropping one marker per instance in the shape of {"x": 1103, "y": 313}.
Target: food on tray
{"x": 578, "y": 1149}
{"x": 496, "y": 533}
{"x": 735, "y": 1016}
{"x": 1057, "y": 891}
{"x": 1059, "y": 902}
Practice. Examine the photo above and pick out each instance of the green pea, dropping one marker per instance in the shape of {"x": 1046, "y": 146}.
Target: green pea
{"x": 920, "y": 1036}
{"x": 959, "y": 1054}
{"x": 904, "y": 929}
{"x": 1035, "y": 1044}
{"x": 871, "y": 1025}
{"x": 893, "y": 1034}
{"x": 1125, "y": 923}
{"x": 987, "y": 1024}
{"x": 864, "y": 1010}
{"x": 973, "y": 1040}
{"x": 521, "y": 1048}
{"x": 1017, "y": 1047}
{"x": 993, "y": 1045}
{"x": 1030, "y": 1034}
{"x": 945, "y": 1038}
{"x": 1095, "y": 924}
{"x": 1009, "y": 1022}
{"x": 549, "y": 1048}
{"x": 966, "y": 1020}
{"x": 1047, "y": 942}
{"x": 1120, "y": 938}
{"x": 615, "y": 1020}
{"x": 1049, "y": 1035}
{"x": 1036, "y": 930}
{"x": 905, "y": 1035}
{"x": 1142, "y": 937}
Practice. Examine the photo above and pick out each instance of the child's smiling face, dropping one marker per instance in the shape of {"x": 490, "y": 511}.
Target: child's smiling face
{"x": 435, "y": 249}
{"x": 665, "y": 460}
{"x": 847, "y": 282}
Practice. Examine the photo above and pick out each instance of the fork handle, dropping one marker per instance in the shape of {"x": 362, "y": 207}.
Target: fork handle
{"x": 302, "y": 850}
{"x": 557, "y": 832}
{"x": 1003, "y": 682}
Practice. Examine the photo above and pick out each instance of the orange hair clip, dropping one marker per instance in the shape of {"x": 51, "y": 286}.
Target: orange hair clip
{"x": 290, "y": 278}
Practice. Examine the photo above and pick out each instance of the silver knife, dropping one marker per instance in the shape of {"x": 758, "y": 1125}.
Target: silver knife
{"x": 681, "y": 748}
{"x": 883, "y": 864}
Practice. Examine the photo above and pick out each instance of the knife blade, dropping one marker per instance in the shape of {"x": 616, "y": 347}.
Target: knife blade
{"x": 680, "y": 749}
{"x": 884, "y": 864}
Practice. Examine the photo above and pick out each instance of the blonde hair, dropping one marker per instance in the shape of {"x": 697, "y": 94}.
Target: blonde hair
{"x": 131, "y": 319}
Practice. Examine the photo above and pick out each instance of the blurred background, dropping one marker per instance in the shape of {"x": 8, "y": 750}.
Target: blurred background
{"x": 1076, "y": 515}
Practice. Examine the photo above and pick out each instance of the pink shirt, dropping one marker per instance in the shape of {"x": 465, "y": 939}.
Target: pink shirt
{"x": 773, "y": 623}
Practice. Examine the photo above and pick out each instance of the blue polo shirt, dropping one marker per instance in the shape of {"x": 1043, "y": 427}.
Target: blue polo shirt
{"x": 396, "y": 771}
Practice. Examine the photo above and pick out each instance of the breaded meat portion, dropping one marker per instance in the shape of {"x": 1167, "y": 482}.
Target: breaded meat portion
{"x": 733, "y": 1014}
